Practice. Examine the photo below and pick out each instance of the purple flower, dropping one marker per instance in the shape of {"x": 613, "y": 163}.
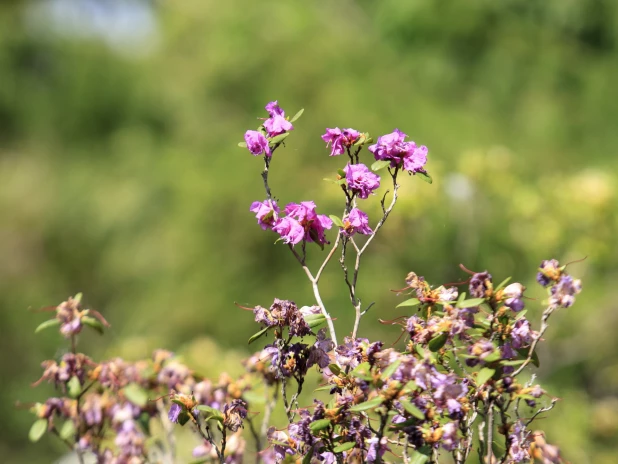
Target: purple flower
{"x": 521, "y": 333}
{"x": 513, "y": 294}
{"x": 361, "y": 180}
{"x": 174, "y": 413}
{"x": 479, "y": 284}
{"x": 278, "y": 439}
{"x": 320, "y": 350}
{"x": 356, "y": 222}
{"x": 376, "y": 448}
{"x": 276, "y": 124}
{"x": 290, "y": 230}
{"x": 257, "y": 143}
{"x": 312, "y": 223}
{"x": 233, "y": 414}
{"x": 563, "y": 293}
{"x": 266, "y": 213}
{"x": 340, "y": 139}
{"x": 449, "y": 436}
{"x": 549, "y": 271}
{"x": 393, "y": 147}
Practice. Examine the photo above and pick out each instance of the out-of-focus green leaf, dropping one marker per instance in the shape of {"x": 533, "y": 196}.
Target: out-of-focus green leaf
{"x": 390, "y": 370}
{"x": 242, "y": 144}
{"x": 67, "y": 431}
{"x": 278, "y": 138}
{"x": 136, "y": 394}
{"x": 470, "y": 303}
{"x": 93, "y": 323}
{"x": 425, "y": 176}
{"x": 74, "y": 387}
{"x": 437, "y": 342}
{"x": 523, "y": 352}
{"x": 502, "y": 284}
{"x": 338, "y": 222}
{"x": 484, "y": 375}
{"x": 367, "y": 405}
{"x": 335, "y": 369}
{"x": 314, "y": 320}
{"x": 319, "y": 424}
{"x": 380, "y": 165}
{"x": 257, "y": 335}
{"x": 47, "y": 325}
{"x": 410, "y": 302}
{"x": 344, "y": 447}
{"x": 297, "y": 115}
{"x": 413, "y": 410}
{"x": 37, "y": 430}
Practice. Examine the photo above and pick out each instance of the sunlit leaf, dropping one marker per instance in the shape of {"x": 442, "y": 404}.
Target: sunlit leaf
{"x": 484, "y": 375}
{"x": 37, "y": 430}
{"x": 413, "y": 410}
{"x": 410, "y": 302}
{"x": 380, "y": 165}
{"x": 336, "y": 220}
{"x": 47, "y": 325}
{"x": 242, "y": 144}
{"x": 425, "y": 176}
{"x": 257, "y": 335}
{"x": 67, "y": 431}
{"x": 390, "y": 370}
{"x": 298, "y": 115}
{"x": 136, "y": 394}
{"x": 371, "y": 404}
{"x": 437, "y": 342}
{"x": 344, "y": 447}
{"x": 74, "y": 387}
{"x": 470, "y": 303}
{"x": 319, "y": 424}
{"x": 278, "y": 138}
{"x": 93, "y": 323}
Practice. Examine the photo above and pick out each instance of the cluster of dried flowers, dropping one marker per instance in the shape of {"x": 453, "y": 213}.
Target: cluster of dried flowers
{"x": 453, "y": 387}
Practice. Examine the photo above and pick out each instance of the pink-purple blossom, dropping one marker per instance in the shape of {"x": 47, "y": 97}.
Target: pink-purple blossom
{"x": 266, "y": 213}
{"x": 276, "y": 124}
{"x": 313, "y": 224}
{"x": 257, "y": 143}
{"x": 361, "y": 180}
{"x": 340, "y": 139}
{"x": 393, "y": 147}
{"x": 355, "y": 222}
{"x": 290, "y": 230}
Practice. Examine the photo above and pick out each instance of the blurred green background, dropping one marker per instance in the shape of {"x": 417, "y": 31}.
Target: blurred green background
{"x": 121, "y": 177}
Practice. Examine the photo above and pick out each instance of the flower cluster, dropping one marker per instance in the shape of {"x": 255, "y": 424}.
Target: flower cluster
{"x": 463, "y": 351}
{"x": 393, "y": 147}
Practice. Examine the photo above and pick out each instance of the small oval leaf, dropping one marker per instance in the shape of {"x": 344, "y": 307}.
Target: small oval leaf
{"x": 278, "y": 138}
{"x": 257, "y": 335}
{"x": 74, "y": 387}
{"x": 348, "y": 445}
{"x": 470, "y": 303}
{"x": 47, "y": 325}
{"x": 93, "y": 323}
{"x": 410, "y": 302}
{"x": 136, "y": 394}
{"x": 320, "y": 424}
{"x": 437, "y": 342}
{"x": 37, "y": 430}
{"x": 298, "y": 115}
{"x": 336, "y": 220}
{"x": 425, "y": 176}
{"x": 484, "y": 375}
{"x": 380, "y": 165}
{"x": 413, "y": 410}
{"x": 68, "y": 430}
{"x": 371, "y": 404}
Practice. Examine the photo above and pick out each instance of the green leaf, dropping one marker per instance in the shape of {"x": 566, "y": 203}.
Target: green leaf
{"x": 362, "y": 371}
{"x": 348, "y": 445}
{"x": 493, "y": 357}
{"x": 136, "y": 394}
{"x": 253, "y": 397}
{"x": 410, "y": 302}
{"x": 418, "y": 458}
{"x": 462, "y": 296}
{"x": 278, "y": 138}
{"x": 319, "y": 424}
{"x": 390, "y": 370}
{"x": 68, "y": 430}
{"x": 380, "y": 165}
{"x": 298, "y": 115}
{"x": 484, "y": 375}
{"x": 470, "y": 303}
{"x": 437, "y": 342}
{"x": 521, "y": 314}
{"x": 335, "y": 181}
{"x": 314, "y": 320}
{"x": 78, "y": 297}
{"x": 341, "y": 173}
{"x": 413, "y": 410}
{"x": 242, "y": 144}
{"x": 503, "y": 284}
{"x": 335, "y": 369}
{"x": 425, "y": 176}
{"x": 183, "y": 418}
{"x": 516, "y": 362}
{"x": 336, "y": 220}
{"x": 47, "y": 325}
{"x": 257, "y": 335}
{"x": 37, "y": 430}
{"x": 74, "y": 387}
{"x": 93, "y": 323}
{"x": 371, "y": 404}
{"x": 523, "y": 352}
{"x": 308, "y": 456}
{"x": 210, "y": 411}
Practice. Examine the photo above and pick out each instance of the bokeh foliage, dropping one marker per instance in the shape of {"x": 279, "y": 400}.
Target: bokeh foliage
{"x": 121, "y": 177}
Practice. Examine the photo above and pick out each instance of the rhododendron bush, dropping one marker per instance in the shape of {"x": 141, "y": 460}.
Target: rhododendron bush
{"x": 456, "y": 386}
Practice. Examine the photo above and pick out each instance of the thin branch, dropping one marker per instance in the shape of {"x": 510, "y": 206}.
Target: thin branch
{"x": 544, "y": 325}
